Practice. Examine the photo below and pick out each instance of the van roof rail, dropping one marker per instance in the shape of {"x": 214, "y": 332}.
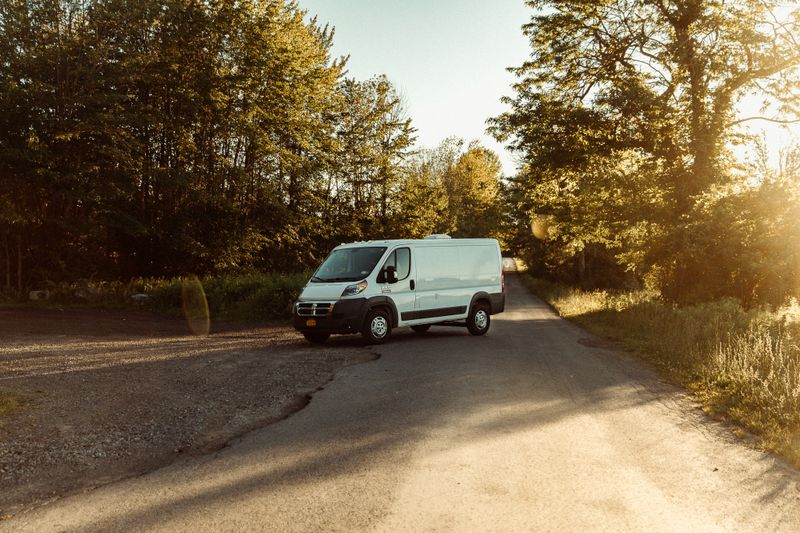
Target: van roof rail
{"x": 438, "y": 236}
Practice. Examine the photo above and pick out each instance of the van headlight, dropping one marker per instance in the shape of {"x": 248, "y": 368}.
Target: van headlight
{"x": 357, "y": 288}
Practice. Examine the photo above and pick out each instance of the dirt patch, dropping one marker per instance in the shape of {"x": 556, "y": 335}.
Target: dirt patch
{"x": 597, "y": 342}
{"x": 105, "y": 395}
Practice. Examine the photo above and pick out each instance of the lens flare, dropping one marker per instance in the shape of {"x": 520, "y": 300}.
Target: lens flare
{"x": 195, "y": 306}
{"x": 540, "y": 227}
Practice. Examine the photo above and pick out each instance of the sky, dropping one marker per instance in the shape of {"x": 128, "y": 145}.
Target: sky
{"x": 447, "y": 58}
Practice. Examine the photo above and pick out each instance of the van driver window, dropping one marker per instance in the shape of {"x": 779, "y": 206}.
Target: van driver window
{"x": 400, "y": 259}
{"x": 403, "y": 262}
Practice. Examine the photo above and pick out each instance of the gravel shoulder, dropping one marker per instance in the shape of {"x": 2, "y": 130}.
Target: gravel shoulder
{"x": 107, "y": 395}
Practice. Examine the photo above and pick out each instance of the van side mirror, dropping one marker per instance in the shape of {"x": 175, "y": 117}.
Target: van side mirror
{"x": 391, "y": 274}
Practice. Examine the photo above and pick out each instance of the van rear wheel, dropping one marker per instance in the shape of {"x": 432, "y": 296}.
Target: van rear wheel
{"x": 479, "y": 319}
{"x": 377, "y": 327}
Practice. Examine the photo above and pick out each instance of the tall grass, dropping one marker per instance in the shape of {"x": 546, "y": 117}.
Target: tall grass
{"x": 743, "y": 364}
{"x": 240, "y": 296}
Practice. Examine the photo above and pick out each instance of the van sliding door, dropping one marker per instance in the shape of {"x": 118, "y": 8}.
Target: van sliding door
{"x": 439, "y": 290}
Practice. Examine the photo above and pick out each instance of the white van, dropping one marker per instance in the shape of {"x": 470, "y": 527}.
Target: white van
{"x": 375, "y": 286}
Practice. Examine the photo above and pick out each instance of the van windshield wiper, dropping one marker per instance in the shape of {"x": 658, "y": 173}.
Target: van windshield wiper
{"x": 333, "y": 280}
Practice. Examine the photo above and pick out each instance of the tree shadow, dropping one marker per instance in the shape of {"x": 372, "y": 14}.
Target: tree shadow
{"x": 530, "y": 373}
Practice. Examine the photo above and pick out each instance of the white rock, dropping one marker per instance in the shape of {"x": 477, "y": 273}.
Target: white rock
{"x": 39, "y": 295}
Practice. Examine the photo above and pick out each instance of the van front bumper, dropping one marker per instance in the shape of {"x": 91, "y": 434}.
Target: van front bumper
{"x": 346, "y": 316}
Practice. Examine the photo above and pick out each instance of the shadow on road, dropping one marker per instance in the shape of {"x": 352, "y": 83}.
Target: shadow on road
{"x": 358, "y": 436}
{"x": 519, "y": 378}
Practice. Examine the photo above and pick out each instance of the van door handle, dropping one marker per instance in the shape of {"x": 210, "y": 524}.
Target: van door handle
{"x": 412, "y": 284}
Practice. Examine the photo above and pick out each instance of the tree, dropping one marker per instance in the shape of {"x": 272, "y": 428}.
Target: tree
{"x": 166, "y": 137}
{"x": 472, "y": 186}
{"x": 451, "y": 190}
{"x": 374, "y": 136}
{"x": 647, "y": 83}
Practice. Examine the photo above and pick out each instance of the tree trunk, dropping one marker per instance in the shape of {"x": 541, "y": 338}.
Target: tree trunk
{"x": 701, "y": 143}
{"x": 8, "y": 265}
{"x": 384, "y": 204}
{"x": 19, "y": 264}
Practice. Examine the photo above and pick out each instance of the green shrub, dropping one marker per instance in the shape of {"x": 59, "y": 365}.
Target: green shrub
{"x": 248, "y": 296}
{"x": 229, "y": 296}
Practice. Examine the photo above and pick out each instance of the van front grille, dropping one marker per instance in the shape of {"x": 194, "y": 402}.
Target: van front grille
{"x": 314, "y": 308}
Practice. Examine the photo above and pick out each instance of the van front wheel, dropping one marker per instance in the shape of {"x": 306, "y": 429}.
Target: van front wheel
{"x": 479, "y": 320}
{"x": 377, "y": 327}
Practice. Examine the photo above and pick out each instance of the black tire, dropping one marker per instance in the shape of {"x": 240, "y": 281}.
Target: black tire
{"x": 316, "y": 337}
{"x": 422, "y": 328}
{"x": 479, "y": 319}
{"x": 377, "y": 326}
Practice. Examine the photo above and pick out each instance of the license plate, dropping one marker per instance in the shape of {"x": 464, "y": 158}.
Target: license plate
{"x": 311, "y": 322}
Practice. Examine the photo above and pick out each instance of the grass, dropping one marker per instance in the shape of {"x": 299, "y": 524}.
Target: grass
{"x": 255, "y": 296}
{"x": 742, "y": 364}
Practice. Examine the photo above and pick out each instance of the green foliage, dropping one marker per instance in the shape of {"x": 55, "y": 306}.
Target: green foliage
{"x": 623, "y": 119}
{"x": 233, "y": 297}
{"x": 743, "y": 363}
{"x": 472, "y": 187}
{"x": 157, "y": 138}
{"x": 164, "y": 137}
{"x": 373, "y": 141}
{"x": 255, "y": 296}
{"x": 743, "y": 243}
{"x": 451, "y": 190}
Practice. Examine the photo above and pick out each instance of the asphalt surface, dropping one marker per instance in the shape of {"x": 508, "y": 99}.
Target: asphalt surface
{"x": 535, "y": 426}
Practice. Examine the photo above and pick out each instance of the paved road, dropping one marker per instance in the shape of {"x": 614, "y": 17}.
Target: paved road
{"x": 528, "y": 428}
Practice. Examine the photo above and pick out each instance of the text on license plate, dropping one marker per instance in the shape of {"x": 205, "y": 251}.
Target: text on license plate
{"x": 311, "y": 322}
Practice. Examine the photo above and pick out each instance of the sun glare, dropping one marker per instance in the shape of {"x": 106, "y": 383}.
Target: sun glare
{"x": 776, "y": 135}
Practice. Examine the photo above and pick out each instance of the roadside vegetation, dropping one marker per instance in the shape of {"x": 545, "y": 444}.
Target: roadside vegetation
{"x": 743, "y": 364}
{"x": 254, "y": 296}
{"x": 240, "y": 297}
{"x": 634, "y": 148}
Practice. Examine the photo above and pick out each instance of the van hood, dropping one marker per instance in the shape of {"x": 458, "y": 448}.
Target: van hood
{"x": 323, "y": 291}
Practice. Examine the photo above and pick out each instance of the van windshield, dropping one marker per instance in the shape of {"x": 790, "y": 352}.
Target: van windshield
{"x": 348, "y": 264}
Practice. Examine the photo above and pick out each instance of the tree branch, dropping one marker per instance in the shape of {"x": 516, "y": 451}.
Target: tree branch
{"x": 764, "y": 72}
{"x": 768, "y": 119}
